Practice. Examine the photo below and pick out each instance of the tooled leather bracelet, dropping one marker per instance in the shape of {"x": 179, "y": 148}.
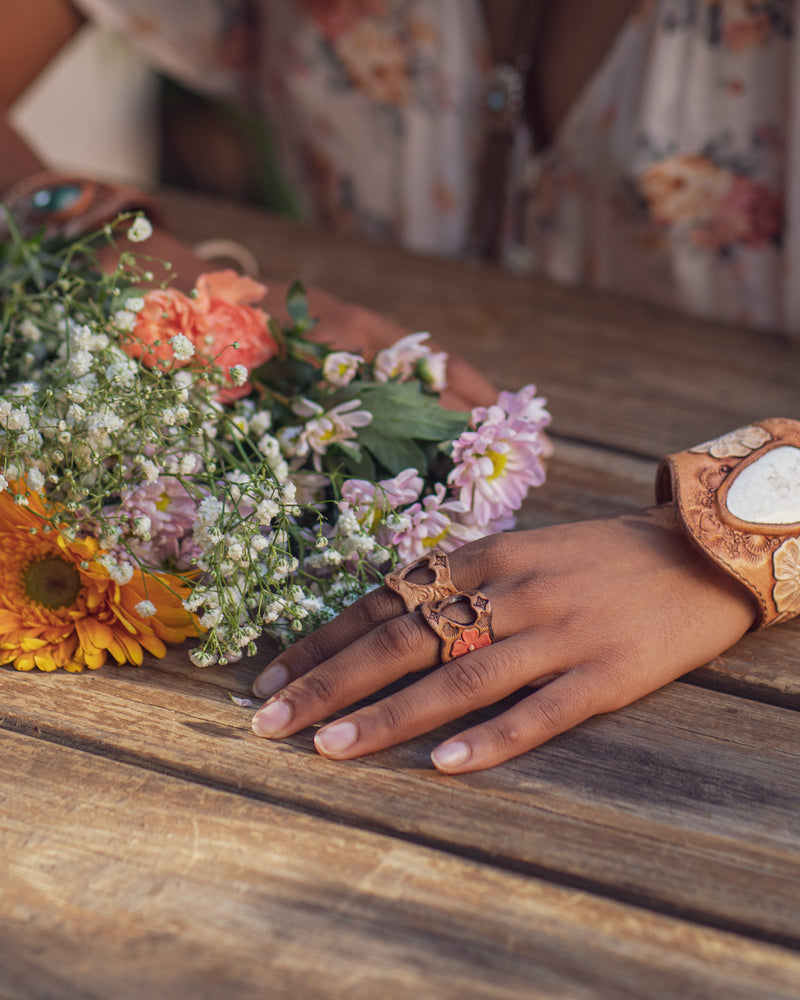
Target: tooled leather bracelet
{"x": 69, "y": 206}
{"x": 738, "y": 498}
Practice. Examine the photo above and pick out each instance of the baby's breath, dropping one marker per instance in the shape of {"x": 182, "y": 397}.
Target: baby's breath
{"x": 259, "y": 508}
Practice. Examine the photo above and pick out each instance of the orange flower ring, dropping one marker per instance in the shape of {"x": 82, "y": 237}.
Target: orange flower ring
{"x": 459, "y": 638}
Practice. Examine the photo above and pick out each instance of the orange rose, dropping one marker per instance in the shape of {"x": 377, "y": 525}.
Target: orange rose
{"x": 224, "y": 303}
{"x": 165, "y": 314}
{"x": 219, "y": 315}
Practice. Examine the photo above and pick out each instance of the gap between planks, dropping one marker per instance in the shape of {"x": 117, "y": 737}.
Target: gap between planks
{"x": 154, "y": 902}
{"x": 650, "y": 902}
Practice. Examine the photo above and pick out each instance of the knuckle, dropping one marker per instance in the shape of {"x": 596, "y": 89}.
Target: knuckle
{"x": 376, "y": 608}
{"x": 477, "y": 560}
{"x": 611, "y": 683}
{"x": 390, "y": 715}
{"x": 317, "y": 686}
{"x": 506, "y": 737}
{"x": 398, "y": 638}
{"x": 467, "y": 676}
{"x": 499, "y": 552}
{"x": 313, "y": 651}
{"x": 552, "y": 714}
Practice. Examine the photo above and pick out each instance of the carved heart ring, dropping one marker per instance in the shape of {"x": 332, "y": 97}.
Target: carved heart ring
{"x": 457, "y": 637}
{"x": 432, "y": 584}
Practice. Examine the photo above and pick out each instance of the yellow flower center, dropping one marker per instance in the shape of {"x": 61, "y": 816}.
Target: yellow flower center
{"x": 431, "y": 543}
{"x": 52, "y": 582}
{"x": 163, "y": 502}
{"x": 499, "y": 460}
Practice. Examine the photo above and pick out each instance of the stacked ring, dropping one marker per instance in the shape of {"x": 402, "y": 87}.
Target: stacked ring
{"x": 459, "y": 638}
{"x": 414, "y": 594}
{"x": 435, "y": 596}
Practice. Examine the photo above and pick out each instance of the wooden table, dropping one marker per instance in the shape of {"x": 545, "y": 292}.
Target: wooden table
{"x": 152, "y": 847}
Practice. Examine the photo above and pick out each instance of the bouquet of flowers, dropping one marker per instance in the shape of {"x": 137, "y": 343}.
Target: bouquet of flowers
{"x": 181, "y": 467}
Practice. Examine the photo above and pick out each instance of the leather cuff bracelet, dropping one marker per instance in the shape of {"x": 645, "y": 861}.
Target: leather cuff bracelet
{"x": 69, "y": 206}
{"x": 738, "y": 498}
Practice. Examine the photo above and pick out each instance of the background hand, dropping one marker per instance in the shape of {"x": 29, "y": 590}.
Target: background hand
{"x": 607, "y": 611}
{"x": 349, "y": 327}
{"x": 343, "y": 325}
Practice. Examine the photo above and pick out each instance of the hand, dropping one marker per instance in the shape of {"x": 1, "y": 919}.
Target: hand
{"x": 606, "y": 611}
{"x": 159, "y": 249}
{"x": 346, "y": 326}
{"x": 352, "y": 328}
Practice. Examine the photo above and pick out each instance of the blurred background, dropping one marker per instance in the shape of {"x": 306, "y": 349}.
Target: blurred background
{"x": 98, "y": 110}
{"x": 96, "y": 104}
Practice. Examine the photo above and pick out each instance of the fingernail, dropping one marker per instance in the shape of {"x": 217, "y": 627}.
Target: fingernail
{"x": 272, "y": 719}
{"x": 336, "y": 737}
{"x": 450, "y": 755}
{"x": 272, "y": 680}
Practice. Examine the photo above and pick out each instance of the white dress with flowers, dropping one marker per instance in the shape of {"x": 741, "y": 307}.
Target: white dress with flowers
{"x": 672, "y": 177}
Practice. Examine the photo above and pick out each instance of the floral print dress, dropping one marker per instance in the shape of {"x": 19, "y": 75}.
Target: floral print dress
{"x": 671, "y": 178}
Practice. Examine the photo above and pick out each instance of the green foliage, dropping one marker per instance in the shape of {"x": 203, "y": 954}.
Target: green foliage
{"x": 404, "y": 419}
{"x": 408, "y": 423}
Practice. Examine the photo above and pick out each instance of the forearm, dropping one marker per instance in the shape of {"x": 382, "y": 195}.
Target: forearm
{"x": 33, "y": 32}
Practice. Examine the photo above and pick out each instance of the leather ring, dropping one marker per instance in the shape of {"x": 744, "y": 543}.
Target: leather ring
{"x": 414, "y": 594}
{"x": 457, "y": 638}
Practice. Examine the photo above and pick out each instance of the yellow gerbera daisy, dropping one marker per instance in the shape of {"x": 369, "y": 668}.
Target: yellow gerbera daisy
{"x": 60, "y": 608}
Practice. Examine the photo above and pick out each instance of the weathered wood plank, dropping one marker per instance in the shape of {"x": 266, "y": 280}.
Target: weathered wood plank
{"x": 584, "y": 481}
{"x": 688, "y": 802}
{"x": 764, "y": 666}
{"x": 616, "y": 372}
{"x": 118, "y": 882}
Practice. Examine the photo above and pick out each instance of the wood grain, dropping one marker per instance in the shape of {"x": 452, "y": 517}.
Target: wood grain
{"x": 584, "y": 481}
{"x": 688, "y": 802}
{"x": 130, "y": 884}
{"x": 617, "y": 372}
{"x": 153, "y": 846}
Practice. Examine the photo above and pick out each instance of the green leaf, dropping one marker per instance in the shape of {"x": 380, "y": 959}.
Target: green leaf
{"x": 286, "y": 377}
{"x": 403, "y": 419}
{"x": 351, "y": 449}
{"x": 297, "y": 307}
{"x": 349, "y": 463}
{"x": 394, "y": 453}
{"x": 403, "y": 410}
{"x": 361, "y": 468}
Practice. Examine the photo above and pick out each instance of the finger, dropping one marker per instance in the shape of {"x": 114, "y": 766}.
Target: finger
{"x": 365, "y": 614}
{"x": 379, "y": 606}
{"x": 386, "y": 653}
{"x": 464, "y": 684}
{"x": 571, "y": 698}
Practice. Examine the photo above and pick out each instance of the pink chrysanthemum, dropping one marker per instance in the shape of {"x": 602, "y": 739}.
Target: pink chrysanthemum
{"x": 365, "y": 498}
{"x": 434, "y": 522}
{"x": 498, "y": 462}
{"x": 171, "y": 513}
